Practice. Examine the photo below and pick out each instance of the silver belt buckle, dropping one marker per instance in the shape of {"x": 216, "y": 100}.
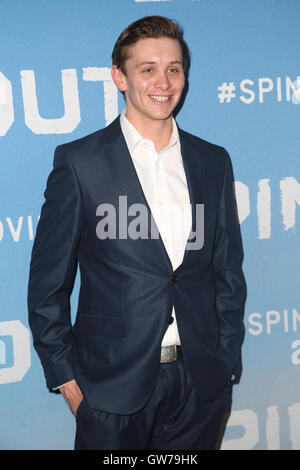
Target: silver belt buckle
{"x": 168, "y": 353}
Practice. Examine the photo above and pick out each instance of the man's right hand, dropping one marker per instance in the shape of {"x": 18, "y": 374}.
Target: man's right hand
{"x": 72, "y": 394}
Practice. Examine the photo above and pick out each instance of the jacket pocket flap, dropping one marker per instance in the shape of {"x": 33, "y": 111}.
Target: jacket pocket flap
{"x": 96, "y": 325}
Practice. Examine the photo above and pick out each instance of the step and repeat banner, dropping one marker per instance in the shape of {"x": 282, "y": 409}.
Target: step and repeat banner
{"x": 244, "y": 94}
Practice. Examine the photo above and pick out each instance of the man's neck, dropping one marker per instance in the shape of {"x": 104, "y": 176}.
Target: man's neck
{"x": 159, "y": 131}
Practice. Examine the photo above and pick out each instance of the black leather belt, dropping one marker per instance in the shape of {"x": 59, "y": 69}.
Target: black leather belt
{"x": 170, "y": 353}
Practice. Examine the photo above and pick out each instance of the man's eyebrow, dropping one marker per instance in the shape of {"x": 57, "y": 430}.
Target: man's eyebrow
{"x": 146, "y": 62}
{"x": 151, "y": 62}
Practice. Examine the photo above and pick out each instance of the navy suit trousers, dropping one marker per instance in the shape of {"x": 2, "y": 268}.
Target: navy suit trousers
{"x": 174, "y": 418}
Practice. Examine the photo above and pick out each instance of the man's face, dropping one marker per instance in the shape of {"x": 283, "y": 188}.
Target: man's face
{"x": 154, "y": 79}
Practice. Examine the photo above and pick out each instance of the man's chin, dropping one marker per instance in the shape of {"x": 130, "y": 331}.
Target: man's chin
{"x": 162, "y": 116}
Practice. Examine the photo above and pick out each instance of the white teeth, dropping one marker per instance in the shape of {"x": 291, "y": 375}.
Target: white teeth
{"x": 160, "y": 98}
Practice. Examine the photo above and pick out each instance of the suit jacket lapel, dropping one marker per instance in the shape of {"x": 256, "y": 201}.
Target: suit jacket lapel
{"x": 193, "y": 163}
{"x": 128, "y": 181}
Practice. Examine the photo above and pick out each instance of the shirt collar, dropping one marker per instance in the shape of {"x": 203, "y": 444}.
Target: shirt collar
{"x": 133, "y": 137}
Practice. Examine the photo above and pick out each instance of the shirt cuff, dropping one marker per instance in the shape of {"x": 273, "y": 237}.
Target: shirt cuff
{"x": 56, "y": 388}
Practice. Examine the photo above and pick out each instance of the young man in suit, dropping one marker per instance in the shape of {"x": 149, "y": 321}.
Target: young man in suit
{"x": 156, "y": 344}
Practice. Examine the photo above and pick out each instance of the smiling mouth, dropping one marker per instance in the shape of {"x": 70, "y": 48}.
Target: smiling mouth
{"x": 161, "y": 98}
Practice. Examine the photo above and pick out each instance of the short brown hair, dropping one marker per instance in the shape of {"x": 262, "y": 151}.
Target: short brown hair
{"x": 149, "y": 27}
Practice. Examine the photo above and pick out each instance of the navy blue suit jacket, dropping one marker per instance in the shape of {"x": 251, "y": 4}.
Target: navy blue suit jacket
{"x": 127, "y": 286}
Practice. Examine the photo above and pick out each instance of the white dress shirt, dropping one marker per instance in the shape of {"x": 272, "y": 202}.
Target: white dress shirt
{"x": 163, "y": 181}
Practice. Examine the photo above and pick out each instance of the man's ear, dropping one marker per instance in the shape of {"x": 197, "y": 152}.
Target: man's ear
{"x": 119, "y": 78}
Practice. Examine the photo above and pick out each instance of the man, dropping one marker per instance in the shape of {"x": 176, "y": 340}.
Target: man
{"x": 155, "y": 347}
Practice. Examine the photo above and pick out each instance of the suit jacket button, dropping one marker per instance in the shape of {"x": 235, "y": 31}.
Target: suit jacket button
{"x": 170, "y": 320}
{"x": 174, "y": 277}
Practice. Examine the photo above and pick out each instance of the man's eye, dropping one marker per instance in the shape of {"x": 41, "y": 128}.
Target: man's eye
{"x": 148, "y": 70}
{"x": 174, "y": 70}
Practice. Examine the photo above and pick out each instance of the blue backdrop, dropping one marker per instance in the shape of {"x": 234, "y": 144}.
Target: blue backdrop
{"x": 55, "y": 86}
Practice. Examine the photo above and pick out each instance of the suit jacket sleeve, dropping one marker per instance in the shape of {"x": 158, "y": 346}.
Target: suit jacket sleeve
{"x": 53, "y": 269}
{"x": 230, "y": 282}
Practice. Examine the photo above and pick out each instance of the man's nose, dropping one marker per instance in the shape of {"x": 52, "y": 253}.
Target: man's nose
{"x": 162, "y": 81}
